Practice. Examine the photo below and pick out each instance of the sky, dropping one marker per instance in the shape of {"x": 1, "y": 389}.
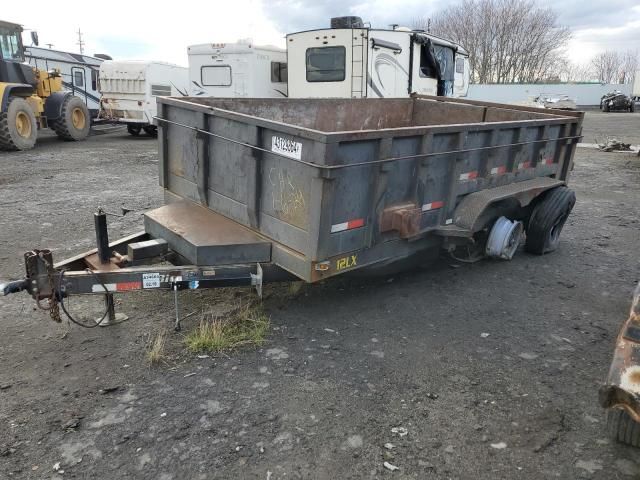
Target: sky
{"x": 163, "y": 30}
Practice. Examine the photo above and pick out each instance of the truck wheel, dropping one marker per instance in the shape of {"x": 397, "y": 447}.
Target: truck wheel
{"x": 622, "y": 428}
{"x": 18, "y": 127}
{"x": 151, "y": 130}
{"x": 547, "y": 219}
{"x": 134, "y": 130}
{"x": 74, "y": 121}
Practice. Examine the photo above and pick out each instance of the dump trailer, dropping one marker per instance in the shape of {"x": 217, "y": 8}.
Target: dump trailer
{"x": 269, "y": 189}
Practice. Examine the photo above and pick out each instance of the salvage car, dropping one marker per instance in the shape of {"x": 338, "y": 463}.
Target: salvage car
{"x": 616, "y": 101}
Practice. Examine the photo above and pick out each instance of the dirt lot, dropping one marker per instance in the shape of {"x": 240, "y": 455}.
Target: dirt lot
{"x": 349, "y": 365}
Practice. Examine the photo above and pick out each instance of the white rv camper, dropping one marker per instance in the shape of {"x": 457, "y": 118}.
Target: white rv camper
{"x": 350, "y": 60}
{"x": 79, "y": 72}
{"x": 237, "y": 70}
{"x": 129, "y": 89}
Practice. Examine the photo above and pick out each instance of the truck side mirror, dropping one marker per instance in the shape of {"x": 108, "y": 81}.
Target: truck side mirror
{"x": 34, "y": 38}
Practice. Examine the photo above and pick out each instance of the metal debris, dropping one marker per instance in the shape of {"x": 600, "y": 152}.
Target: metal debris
{"x": 391, "y": 467}
{"x": 400, "y": 431}
{"x": 612, "y": 144}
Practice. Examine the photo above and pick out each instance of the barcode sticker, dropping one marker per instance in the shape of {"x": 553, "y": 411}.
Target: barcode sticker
{"x": 150, "y": 280}
{"x": 286, "y": 147}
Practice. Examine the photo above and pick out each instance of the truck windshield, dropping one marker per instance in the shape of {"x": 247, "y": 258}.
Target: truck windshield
{"x": 10, "y": 45}
{"x": 326, "y": 64}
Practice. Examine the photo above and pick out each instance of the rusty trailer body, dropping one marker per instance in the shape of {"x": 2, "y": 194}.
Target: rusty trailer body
{"x": 279, "y": 189}
{"x": 328, "y": 186}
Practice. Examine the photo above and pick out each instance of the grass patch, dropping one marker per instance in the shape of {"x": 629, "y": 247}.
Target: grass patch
{"x": 155, "y": 351}
{"x": 246, "y": 325}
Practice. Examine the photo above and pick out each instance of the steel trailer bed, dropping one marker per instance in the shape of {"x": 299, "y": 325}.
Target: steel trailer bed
{"x": 268, "y": 189}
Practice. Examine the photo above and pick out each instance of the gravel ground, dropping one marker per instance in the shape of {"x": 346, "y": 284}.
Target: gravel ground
{"x": 483, "y": 371}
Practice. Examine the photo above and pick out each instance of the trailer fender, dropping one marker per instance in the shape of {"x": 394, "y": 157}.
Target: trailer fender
{"x": 16, "y": 89}
{"x": 53, "y": 105}
{"x": 470, "y": 213}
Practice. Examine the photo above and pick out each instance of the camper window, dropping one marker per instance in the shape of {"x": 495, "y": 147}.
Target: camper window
{"x": 78, "y": 78}
{"x": 428, "y": 67}
{"x": 161, "y": 90}
{"x": 326, "y": 64}
{"x": 94, "y": 79}
{"x": 216, "y": 75}
{"x": 278, "y": 72}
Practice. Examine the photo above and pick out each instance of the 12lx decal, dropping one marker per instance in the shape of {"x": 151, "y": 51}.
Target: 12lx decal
{"x": 346, "y": 262}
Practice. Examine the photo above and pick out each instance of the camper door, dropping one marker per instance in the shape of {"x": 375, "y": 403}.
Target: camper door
{"x": 327, "y": 63}
{"x": 425, "y": 68}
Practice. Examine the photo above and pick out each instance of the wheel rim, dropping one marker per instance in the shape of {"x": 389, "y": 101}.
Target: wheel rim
{"x": 23, "y": 125}
{"x": 78, "y": 119}
{"x": 554, "y": 233}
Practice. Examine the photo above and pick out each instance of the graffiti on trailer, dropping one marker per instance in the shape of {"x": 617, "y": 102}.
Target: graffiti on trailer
{"x": 288, "y": 199}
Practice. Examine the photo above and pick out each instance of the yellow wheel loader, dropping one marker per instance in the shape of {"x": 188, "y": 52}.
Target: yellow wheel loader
{"x": 31, "y": 99}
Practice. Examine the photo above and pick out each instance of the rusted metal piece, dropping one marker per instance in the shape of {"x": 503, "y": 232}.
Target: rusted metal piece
{"x": 205, "y": 237}
{"x": 622, "y": 389}
{"x": 405, "y": 219}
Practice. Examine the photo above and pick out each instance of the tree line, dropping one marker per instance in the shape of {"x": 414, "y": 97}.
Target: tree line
{"x": 518, "y": 41}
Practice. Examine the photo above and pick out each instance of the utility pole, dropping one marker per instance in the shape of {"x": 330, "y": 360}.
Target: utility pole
{"x": 50, "y": 45}
{"x": 80, "y": 42}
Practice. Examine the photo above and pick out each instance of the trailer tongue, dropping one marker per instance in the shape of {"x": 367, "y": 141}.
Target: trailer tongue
{"x": 272, "y": 189}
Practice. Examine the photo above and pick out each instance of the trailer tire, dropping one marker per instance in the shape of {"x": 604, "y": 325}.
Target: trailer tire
{"x": 547, "y": 219}
{"x": 74, "y": 122}
{"x": 622, "y": 427}
{"x": 18, "y": 126}
{"x": 134, "y": 130}
{"x": 151, "y": 130}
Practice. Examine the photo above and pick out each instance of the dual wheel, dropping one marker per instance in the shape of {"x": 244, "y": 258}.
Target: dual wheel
{"x": 543, "y": 227}
{"x": 19, "y": 126}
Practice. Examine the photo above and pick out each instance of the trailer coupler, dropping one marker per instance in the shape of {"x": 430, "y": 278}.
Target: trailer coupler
{"x": 44, "y": 282}
{"x": 622, "y": 388}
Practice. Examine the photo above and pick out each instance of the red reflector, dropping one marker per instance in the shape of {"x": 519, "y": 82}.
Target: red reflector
{"x": 123, "y": 286}
{"x": 355, "y": 223}
{"x": 341, "y": 227}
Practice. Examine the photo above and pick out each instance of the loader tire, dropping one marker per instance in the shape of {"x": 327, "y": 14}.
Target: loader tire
{"x": 622, "y": 428}
{"x": 74, "y": 122}
{"x": 18, "y": 127}
{"x": 547, "y": 219}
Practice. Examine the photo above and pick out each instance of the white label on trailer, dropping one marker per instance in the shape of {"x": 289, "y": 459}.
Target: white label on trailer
{"x": 286, "y": 147}
{"x": 150, "y": 280}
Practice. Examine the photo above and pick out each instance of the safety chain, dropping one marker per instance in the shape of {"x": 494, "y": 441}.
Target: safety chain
{"x": 53, "y": 307}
